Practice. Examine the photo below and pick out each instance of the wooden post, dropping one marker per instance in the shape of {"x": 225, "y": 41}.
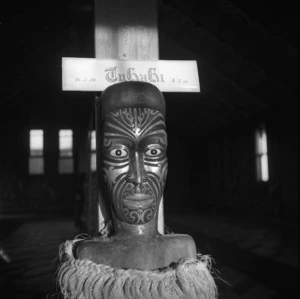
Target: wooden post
{"x": 126, "y": 30}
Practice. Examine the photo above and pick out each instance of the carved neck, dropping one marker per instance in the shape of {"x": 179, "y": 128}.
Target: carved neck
{"x": 127, "y": 229}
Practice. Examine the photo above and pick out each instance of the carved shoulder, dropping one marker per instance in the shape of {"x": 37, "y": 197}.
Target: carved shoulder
{"x": 80, "y": 249}
{"x": 90, "y": 250}
{"x": 190, "y": 245}
{"x": 183, "y": 245}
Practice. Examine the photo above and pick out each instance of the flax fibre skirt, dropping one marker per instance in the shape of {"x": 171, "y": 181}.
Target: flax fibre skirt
{"x": 84, "y": 279}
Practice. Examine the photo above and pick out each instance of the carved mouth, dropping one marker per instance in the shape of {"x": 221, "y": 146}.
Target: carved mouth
{"x": 138, "y": 200}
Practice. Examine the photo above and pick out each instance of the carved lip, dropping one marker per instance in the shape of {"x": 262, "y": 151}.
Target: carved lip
{"x": 138, "y": 200}
{"x": 138, "y": 197}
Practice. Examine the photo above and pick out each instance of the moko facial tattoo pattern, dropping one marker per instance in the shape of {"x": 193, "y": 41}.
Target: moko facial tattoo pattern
{"x": 134, "y": 162}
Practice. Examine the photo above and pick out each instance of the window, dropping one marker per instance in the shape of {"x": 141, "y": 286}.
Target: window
{"x": 36, "y": 158}
{"x": 93, "y": 151}
{"x": 66, "y": 164}
{"x": 262, "y": 167}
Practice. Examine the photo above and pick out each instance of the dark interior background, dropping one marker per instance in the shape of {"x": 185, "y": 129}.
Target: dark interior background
{"x": 247, "y": 54}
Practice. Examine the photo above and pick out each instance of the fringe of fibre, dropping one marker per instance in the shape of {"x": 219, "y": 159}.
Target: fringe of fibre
{"x": 84, "y": 279}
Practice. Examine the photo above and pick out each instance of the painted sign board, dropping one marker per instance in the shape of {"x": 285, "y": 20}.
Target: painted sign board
{"x": 89, "y": 74}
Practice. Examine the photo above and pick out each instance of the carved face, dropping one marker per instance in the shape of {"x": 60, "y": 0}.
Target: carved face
{"x": 134, "y": 162}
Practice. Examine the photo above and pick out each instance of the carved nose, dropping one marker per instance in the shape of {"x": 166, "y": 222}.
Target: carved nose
{"x": 137, "y": 173}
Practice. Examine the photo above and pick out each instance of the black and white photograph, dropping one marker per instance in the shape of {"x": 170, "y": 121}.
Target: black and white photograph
{"x": 149, "y": 149}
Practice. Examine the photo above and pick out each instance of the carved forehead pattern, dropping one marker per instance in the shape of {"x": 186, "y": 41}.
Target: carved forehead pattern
{"x": 134, "y": 123}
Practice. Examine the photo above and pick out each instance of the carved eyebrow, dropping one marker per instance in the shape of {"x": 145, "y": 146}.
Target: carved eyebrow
{"x": 115, "y": 135}
{"x": 157, "y": 139}
{"x": 118, "y": 139}
{"x": 158, "y": 133}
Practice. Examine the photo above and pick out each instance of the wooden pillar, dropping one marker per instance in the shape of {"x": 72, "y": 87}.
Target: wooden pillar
{"x": 126, "y": 30}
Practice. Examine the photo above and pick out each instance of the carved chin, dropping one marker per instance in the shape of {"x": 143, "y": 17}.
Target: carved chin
{"x": 138, "y": 204}
{"x": 139, "y": 212}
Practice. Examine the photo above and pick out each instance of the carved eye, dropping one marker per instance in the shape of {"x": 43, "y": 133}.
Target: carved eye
{"x": 118, "y": 152}
{"x": 153, "y": 152}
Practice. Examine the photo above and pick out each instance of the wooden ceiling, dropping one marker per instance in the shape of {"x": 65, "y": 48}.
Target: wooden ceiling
{"x": 247, "y": 54}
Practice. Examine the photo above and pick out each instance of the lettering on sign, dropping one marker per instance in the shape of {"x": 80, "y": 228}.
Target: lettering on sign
{"x": 88, "y": 74}
{"x": 113, "y": 76}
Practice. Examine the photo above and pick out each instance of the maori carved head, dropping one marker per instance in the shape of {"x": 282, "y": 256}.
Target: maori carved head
{"x": 133, "y": 150}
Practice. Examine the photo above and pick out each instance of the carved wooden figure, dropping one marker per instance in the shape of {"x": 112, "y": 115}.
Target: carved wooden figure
{"x": 135, "y": 261}
{"x": 134, "y": 170}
